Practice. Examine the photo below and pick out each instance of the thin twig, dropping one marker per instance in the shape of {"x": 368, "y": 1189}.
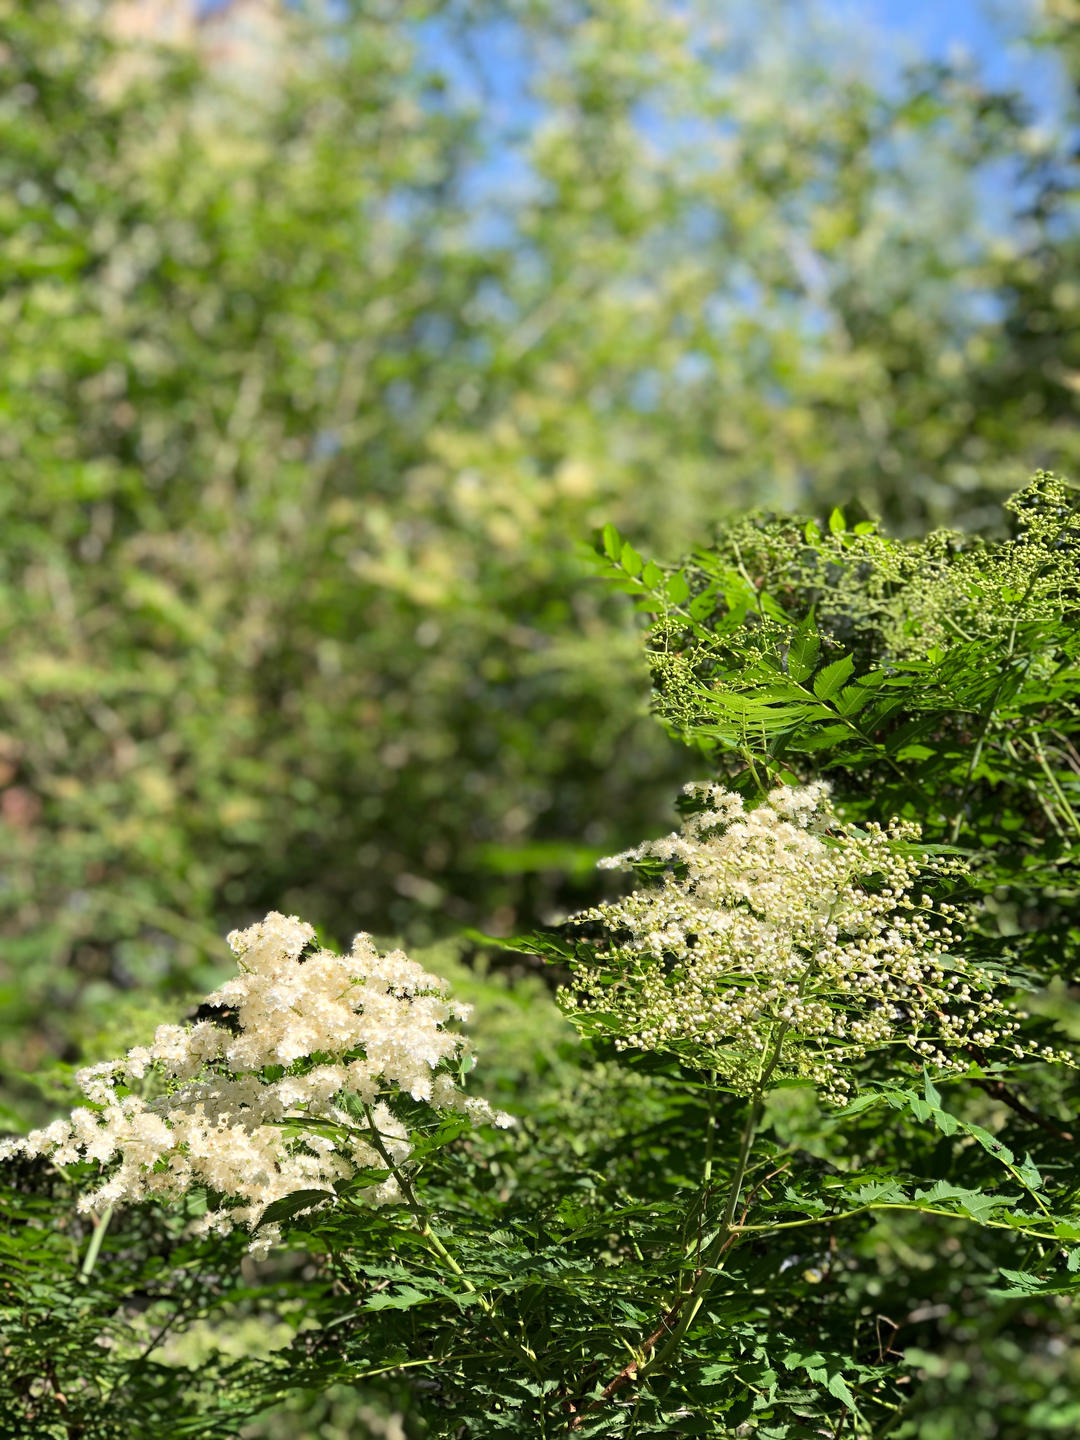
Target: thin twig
{"x": 1000, "y": 1091}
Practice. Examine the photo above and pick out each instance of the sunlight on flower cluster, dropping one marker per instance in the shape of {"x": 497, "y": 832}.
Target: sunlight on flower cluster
{"x": 779, "y": 942}
{"x": 311, "y": 1027}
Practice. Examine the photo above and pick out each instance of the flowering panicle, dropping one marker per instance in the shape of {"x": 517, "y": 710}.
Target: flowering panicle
{"x": 780, "y": 942}
{"x": 311, "y": 1027}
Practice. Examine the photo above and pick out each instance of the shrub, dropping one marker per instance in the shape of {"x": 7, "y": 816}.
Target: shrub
{"x": 827, "y": 1049}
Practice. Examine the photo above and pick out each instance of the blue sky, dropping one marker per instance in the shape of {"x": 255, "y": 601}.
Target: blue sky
{"x": 984, "y": 30}
{"x": 934, "y": 25}
{"x": 892, "y": 33}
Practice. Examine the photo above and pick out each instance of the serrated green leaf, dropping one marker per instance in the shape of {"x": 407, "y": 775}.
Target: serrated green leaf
{"x": 612, "y": 542}
{"x": 804, "y": 649}
{"x": 857, "y": 1106}
{"x": 838, "y": 1387}
{"x": 630, "y": 560}
{"x": 290, "y": 1205}
{"x": 823, "y": 738}
{"x": 678, "y": 588}
{"x": 880, "y": 1192}
{"x": 975, "y": 1203}
{"x": 403, "y": 1298}
{"x": 856, "y": 696}
{"x": 828, "y": 681}
{"x": 702, "y": 605}
{"x": 989, "y": 1142}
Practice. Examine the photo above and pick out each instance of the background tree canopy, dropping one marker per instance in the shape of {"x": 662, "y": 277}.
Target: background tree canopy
{"x": 333, "y": 332}
{"x": 316, "y": 370}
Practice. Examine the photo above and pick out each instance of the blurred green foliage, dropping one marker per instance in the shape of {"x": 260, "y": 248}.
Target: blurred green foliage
{"x": 312, "y": 380}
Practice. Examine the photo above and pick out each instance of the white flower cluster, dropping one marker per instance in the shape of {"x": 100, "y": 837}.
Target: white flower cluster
{"x": 310, "y": 1028}
{"x": 779, "y": 941}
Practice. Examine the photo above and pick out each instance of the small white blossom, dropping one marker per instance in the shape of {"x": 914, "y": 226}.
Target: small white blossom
{"x": 364, "y": 1024}
{"x": 781, "y": 931}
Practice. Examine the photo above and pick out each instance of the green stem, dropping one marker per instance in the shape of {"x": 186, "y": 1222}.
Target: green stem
{"x": 720, "y": 1242}
{"x": 93, "y": 1249}
{"x": 910, "y": 1207}
{"x": 749, "y": 1131}
{"x": 702, "y": 1205}
{"x": 404, "y": 1183}
{"x": 438, "y": 1248}
{"x": 1062, "y": 798}
{"x": 421, "y": 1216}
{"x": 1040, "y": 799}
{"x": 748, "y": 755}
